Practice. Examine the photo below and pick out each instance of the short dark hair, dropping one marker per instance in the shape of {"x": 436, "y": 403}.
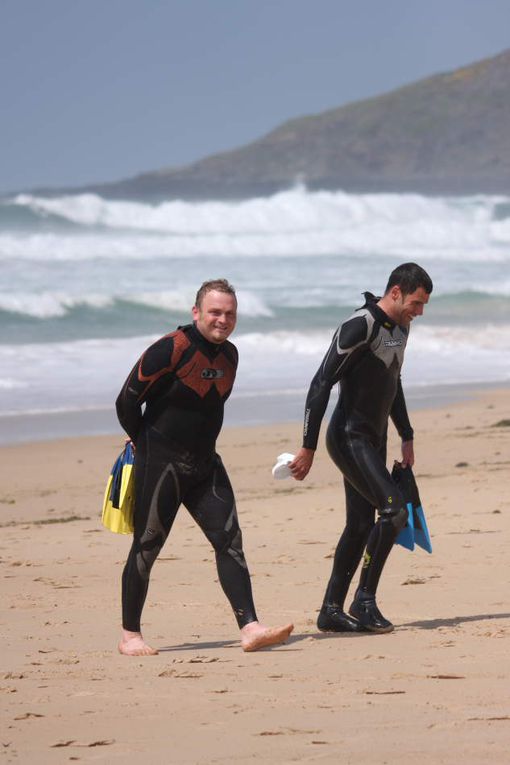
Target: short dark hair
{"x": 219, "y": 285}
{"x": 409, "y": 277}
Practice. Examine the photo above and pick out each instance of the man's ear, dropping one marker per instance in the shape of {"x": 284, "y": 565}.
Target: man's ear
{"x": 195, "y": 312}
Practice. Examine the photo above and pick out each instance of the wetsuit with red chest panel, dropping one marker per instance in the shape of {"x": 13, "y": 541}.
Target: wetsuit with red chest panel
{"x": 183, "y": 381}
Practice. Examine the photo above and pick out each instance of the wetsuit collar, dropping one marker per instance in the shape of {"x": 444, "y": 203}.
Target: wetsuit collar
{"x": 212, "y": 348}
{"x": 377, "y": 312}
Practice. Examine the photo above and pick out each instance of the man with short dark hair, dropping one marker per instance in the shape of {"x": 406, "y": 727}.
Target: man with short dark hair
{"x": 184, "y": 380}
{"x": 365, "y": 358}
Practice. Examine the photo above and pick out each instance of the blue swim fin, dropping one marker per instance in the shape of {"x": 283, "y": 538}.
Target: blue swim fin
{"x": 415, "y": 531}
{"x": 421, "y": 532}
{"x": 406, "y": 536}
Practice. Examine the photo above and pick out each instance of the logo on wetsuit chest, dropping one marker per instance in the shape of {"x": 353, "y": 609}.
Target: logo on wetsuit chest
{"x": 212, "y": 374}
{"x": 392, "y": 343}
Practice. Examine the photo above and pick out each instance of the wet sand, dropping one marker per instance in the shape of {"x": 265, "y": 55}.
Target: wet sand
{"x": 435, "y": 690}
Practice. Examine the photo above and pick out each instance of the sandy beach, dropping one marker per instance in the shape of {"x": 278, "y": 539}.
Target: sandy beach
{"x": 435, "y": 690}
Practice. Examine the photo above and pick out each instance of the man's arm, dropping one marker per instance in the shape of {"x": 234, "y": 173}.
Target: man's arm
{"x": 401, "y": 421}
{"x": 348, "y": 342}
{"x": 153, "y": 364}
{"x": 407, "y": 453}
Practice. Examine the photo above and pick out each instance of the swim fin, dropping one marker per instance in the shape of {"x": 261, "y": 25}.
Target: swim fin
{"x": 119, "y": 496}
{"x": 416, "y": 530}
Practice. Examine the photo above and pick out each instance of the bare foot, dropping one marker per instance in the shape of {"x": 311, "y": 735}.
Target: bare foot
{"x": 255, "y": 635}
{"x": 133, "y": 644}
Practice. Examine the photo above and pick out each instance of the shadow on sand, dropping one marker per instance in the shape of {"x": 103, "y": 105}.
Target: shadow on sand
{"x": 429, "y": 624}
{"x": 454, "y": 621}
{"x": 204, "y": 646}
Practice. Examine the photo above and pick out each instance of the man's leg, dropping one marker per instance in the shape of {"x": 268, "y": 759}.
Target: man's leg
{"x": 379, "y": 545}
{"x": 373, "y": 480}
{"x": 212, "y": 504}
{"x": 364, "y": 467}
{"x": 157, "y": 501}
{"x": 349, "y": 551}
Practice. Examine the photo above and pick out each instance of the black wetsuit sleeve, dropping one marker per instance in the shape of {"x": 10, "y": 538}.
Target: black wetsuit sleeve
{"x": 151, "y": 367}
{"x": 349, "y": 341}
{"x": 399, "y": 415}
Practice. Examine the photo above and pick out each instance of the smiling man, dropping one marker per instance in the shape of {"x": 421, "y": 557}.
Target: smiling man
{"x": 365, "y": 358}
{"x": 184, "y": 380}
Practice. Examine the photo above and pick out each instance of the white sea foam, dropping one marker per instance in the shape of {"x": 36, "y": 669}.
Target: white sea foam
{"x": 45, "y": 305}
{"x": 434, "y": 355}
{"x": 288, "y": 211}
{"x": 299, "y": 257}
{"x": 283, "y": 342}
{"x": 169, "y": 299}
{"x": 456, "y": 247}
{"x": 89, "y": 373}
{"x": 249, "y": 304}
{"x": 292, "y": 223}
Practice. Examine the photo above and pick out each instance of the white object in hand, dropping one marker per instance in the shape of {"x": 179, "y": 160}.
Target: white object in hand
{"x": 281, "y": 468}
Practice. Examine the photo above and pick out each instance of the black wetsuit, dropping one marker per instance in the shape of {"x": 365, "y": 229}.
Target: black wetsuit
{"x": 365, "y": 357}
{"x": 184, "y": 381}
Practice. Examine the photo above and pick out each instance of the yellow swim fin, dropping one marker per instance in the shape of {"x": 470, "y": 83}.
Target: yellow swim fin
{"x": 119, "y": 496}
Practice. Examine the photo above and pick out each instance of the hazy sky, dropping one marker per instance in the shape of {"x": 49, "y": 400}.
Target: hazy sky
{"x": 98, "y": 90}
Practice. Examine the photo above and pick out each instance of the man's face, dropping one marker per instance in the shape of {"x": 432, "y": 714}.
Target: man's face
{"x": 216, "y": 318}
{"x": 407, "y": 307}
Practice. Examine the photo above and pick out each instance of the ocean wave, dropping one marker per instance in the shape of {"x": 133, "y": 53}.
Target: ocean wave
{"x": 20, "y": 216}
{"x": 89, "y": 373}
{"x": 287, "y": 308}
{"x": 459, "y": 341}
{"x": 464, "y": 245}
{"x": 454, "y": 342}
{"x": 46, "y": 305}
{"x": 249, "y": 304}
{"x": 282, "y": 342}
{"x": 289, "y": 211}
{"x": 292, "y": 223}
{"x": 442, "y": 339}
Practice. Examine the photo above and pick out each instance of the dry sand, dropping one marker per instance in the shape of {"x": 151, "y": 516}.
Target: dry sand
{"x": 436, "y": 690}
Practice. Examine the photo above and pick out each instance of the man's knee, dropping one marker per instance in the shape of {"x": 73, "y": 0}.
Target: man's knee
{"x": 146, "y": 552}
{"x": 223, "y": 540}
{"x": 144, "y": 563}
{"x": 358, "y": 528}
{"x": 396, "y": 515}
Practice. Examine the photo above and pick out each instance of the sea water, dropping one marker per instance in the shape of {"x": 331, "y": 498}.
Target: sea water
{"x": 87, "y": 283}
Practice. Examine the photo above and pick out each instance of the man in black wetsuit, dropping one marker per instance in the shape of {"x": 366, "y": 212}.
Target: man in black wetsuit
{"x": 184, "y": 380}
{"x": 365, "y": 358}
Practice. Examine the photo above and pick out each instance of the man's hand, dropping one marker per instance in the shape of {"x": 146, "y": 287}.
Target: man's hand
{"x": 407, "y": 453}
{"x": 301, "y": 464}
